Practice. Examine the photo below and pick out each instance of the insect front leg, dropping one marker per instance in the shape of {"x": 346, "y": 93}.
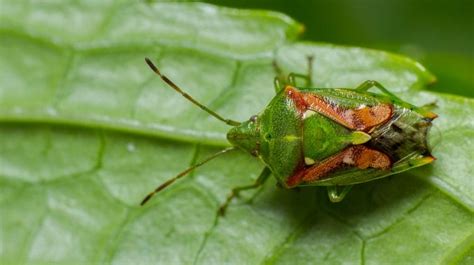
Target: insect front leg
{"x": 235, "y": 191}
{"x": 336, "y": 196}
{"x": 277, "y": 84}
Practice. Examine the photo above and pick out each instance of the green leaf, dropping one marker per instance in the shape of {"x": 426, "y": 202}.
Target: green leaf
{"x": 87, "y": 130}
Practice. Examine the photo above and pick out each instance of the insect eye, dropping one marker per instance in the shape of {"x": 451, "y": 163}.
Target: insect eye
{"x": 253, "y": 118}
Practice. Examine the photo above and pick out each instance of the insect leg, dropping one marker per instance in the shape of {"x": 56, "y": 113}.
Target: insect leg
{"x": 235, "y": 191}
{"x": 277, "y": 84}
{"x": 335, "y": 196}
{"x": 292, "y": 79}
{"x": 280, "y": 79}
{"x": 309, "y": 59}
{"x": 365, "y": 86}
{"x": 307, "y": 77}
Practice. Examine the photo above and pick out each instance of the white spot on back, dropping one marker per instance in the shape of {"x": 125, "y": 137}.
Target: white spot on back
{"x": 309, "y": 161}
{"x": 308, "y": 114}
{"x": 348, "y": 160}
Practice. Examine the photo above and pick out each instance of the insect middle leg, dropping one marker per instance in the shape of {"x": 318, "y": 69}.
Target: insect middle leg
{"x": 280, "y": 81}
{"x": 307, "y": 77}
{"x": 235, "y": 191}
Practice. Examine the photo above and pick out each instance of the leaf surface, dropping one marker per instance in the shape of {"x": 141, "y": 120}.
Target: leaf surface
{"x": 87, "y": 130}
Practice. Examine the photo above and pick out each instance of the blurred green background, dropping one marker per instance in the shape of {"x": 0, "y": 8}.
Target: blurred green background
{"x": 437, "y": 33}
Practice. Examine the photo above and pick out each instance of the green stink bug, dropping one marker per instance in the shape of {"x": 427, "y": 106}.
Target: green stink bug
{"x": 325, "y": 137}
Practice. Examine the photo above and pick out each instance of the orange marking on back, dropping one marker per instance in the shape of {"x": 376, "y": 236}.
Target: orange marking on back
{"x": 320, "y": 105}
{"x": 318, "y": 171}
{"x": 362, "y": 119}
{"x": 366, "y": 158}
{"x": 356, "y": 119}
{"x": 295, "y": 179}
{"x": 368, "y": 117}
{"x": 297, "y": 98}
{"x": 358, "y": 156}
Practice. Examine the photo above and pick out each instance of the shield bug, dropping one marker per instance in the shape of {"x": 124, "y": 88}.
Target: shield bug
{"x": 324, "y": 137}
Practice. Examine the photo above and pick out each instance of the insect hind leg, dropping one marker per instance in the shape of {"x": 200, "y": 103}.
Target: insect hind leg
{"x": 368, "y": 84}
{"x": 424, "y": 110}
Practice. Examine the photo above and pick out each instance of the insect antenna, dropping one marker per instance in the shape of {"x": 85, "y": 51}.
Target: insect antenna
{"x": 184, "y": 173}
{"x": 187, "y": 96}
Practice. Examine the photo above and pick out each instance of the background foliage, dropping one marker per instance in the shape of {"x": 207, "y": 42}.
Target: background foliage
{"x": 438, "y": 33}
{"x": 87, "y": 130}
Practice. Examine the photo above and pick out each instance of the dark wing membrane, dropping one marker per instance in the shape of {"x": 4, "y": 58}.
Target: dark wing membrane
{"x": 403, "y": 136}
